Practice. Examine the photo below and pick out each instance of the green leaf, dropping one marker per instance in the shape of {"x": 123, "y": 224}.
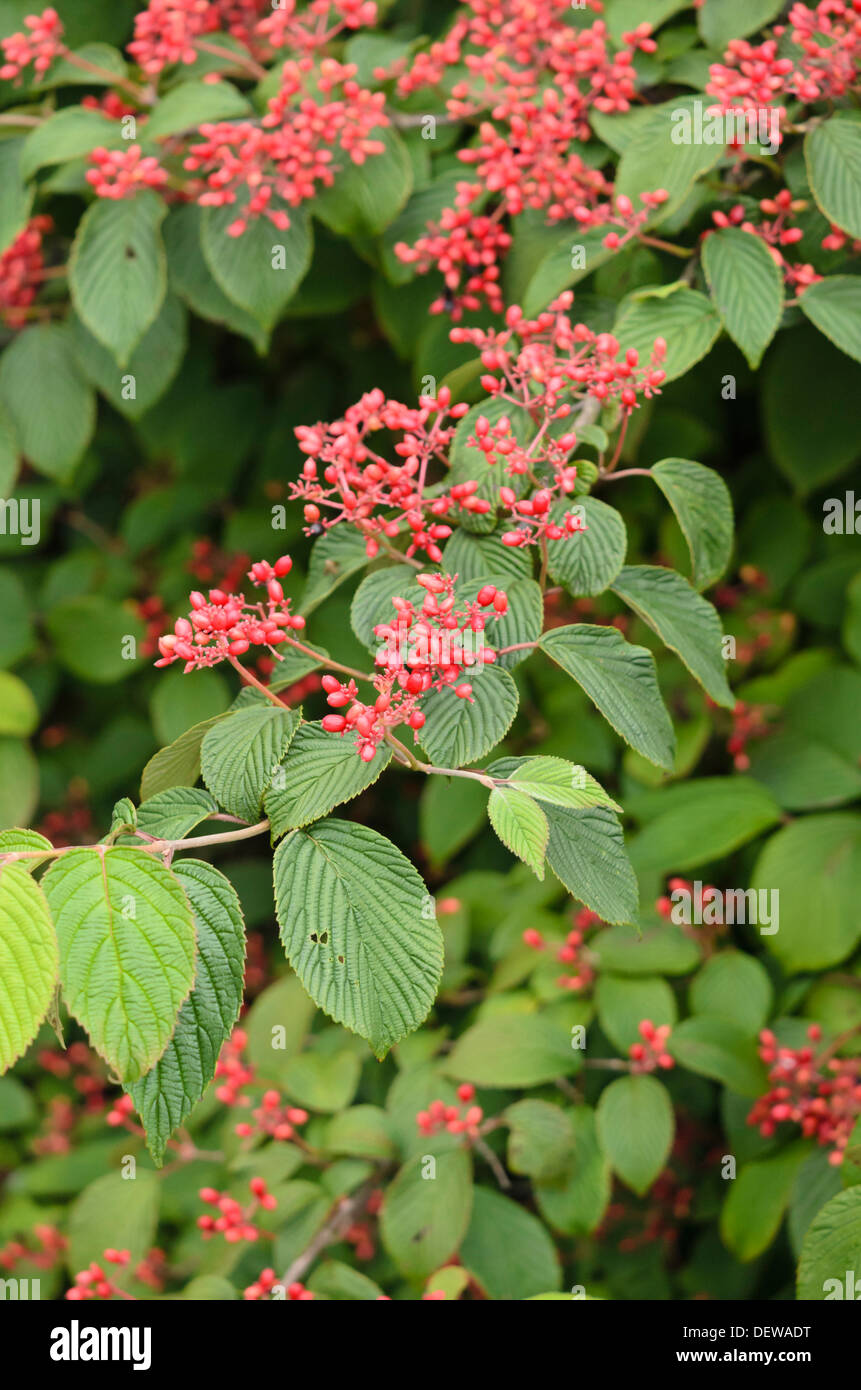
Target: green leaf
{"x": 342, "y": 1283}
{"x": 834, "y": 306}
{"x": 426, "y": 1214}
{"x": 358, "y": 928}
{"x": 39, "y": 365}
{"x": 69, "y": 133}
{"x": 546, "y": 260}
{"x": 588, "y": 562}
{"x": 16, "y": 840}
{"x": 191, "y": 104}
{"x": 540, "y": 1139}
{"x": 659, "y": 950}
{"x": 320, "y": 771}
{"x": 450, "y": 815}
{"x": 722, "y": 20}
{"x": 174, "y": 813}
{"x": 815, "y": 866}
{"x": 831, "y": 1253}
{"x": 734, "y": 986}
{"x": 110, "y": 1204}
{"x": 561, "y": 783}
{"x": 91, "y": 636}
{"x": 322, "y": 1082}
{"x": 701, "y": 821}
{"x": 16, "y": 199}
{"x": 192, "y": 279}
{"x": 684, "y": 621}
{"x": 19, "y": 782}
{"x": 621, "y": 682}
{"x": 507, "y": 1250}
{"x": 513, "y": 1050}
{"x": 702, "y": 505}
{"x": 624, "y": 1002}
{"x": 575, "y": 1201}
{"x": 118, "y": 270}
{"x": 19, "y": 714}
{"x": 656, "y": 158}
{"x": 366, "y": 198}
{"x": 485, "y": 558}
{"x": 811, "y": 409}
{"x": 177, "y": 765}
{"x": 757, "y": 1201}
{"x": 684, "y": 317}
{"x": 363, "y": 1131}
{"x": 126, "y": 939}
{"x": 459, "y": 731}
{"x": 587, "y": 853}
{"x": 372, "y": 601}
{"x": 167, "y": 1094}
{"x": 334, "y": 557}
{"x": 240, "y": 755}
{"x": 747, "y": 286}
{"x": 28, "y": 961}
{"x": 832, "y": 152}
{"x": 521, "y": 825}
{"x": 248, "y": 268}
{"x": 719, "y": 1049}
{"x": 151, "y": 367}
{"x": 635, "y": 1125}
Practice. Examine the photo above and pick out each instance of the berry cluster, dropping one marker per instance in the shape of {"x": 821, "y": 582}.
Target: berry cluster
{"x": 289, "y": 153}
{"x": 573, "y": 954}
{"x": 94, "y": 1282}
{"x": 538, "y": 77}
{"x": 224, "y": 626}
{"x": 123, "y": 173}
{"x": 360, "y": 485}
{"x": 422, "y": 649}
{"x": 273, "y": 1117}
{"x": 40, "y": 45}
{"x": 265, "y": 1283}
{"x": 51, "y": 1248}
{"x": 234, "y": 1221}
{"x": 821, "y": 1093}
{"x": 651, "y": 1054}
{"x": 454, "y": 1118}
{"x": 21, "y": 267}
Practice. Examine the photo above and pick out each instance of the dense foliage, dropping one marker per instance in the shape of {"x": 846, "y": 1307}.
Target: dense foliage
{"x": 424, "y": 440}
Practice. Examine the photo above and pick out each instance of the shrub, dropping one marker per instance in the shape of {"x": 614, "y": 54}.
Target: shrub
{"x": 441, "y": 350}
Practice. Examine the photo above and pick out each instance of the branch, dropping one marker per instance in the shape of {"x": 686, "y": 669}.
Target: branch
{"x": 244, "y": 832}
{"x": 337, "y": 1224}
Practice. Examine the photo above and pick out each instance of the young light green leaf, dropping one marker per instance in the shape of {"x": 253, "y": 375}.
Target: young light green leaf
{"x": 747, "y": 286}
{"x": 28, "y": 960}
{"x": 118, "y": 270}
{"x": 126, "y": 939}
{"x": 635, "y": 1128}
{"x": 540, "y": 1138}
{"x": 513, "y": 1050}
{"x": 621, "y": 682}
{"x": 358, "y": 927}
{"x": 561, "y": 783}
{"x": 320, "y": 771}
{"x": 703, "y": 508}
{"x": 459, "y": 731}
{"x": 168, "y": 1093}
{"x": 719, "y": 1049}
{"x": 240, "y": 755}
{"x": 684, "y": 621}
{"x": 521, "y": 825}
